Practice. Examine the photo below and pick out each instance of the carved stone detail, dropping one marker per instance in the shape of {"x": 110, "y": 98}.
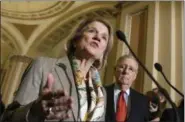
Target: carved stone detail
{"x": 64, "y": 30}
{"x": 20, "y": 58}
{"x": 7, "y": 38}
{"x": 59, "y": 7}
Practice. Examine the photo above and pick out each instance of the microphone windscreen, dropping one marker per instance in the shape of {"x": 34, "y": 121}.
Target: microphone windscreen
{"x": 121, "y": 35}
{"x": 158, "y": 67}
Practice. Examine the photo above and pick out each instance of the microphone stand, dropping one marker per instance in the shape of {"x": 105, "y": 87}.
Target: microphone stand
{"x": 150, "y": 75}
{"x": 161, "y": 71}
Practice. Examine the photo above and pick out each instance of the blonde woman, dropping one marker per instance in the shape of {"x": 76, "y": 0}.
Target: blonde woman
{"x": 69, "y": 88}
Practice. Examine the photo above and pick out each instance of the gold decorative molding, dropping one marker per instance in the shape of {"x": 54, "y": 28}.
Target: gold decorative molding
{"x": 25, "y": 30}
{"x": 63, "y": 31}
{"x": 57, "y": 8}
{"x": 21, "y": 58}
{"x": 6, "y": 37}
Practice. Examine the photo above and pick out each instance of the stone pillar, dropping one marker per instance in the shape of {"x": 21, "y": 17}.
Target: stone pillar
{"x": 11, "y": 81}
{"x": 116, "y": 49}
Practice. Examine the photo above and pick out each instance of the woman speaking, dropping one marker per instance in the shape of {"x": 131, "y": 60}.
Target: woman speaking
{"x": 68, "y": 88}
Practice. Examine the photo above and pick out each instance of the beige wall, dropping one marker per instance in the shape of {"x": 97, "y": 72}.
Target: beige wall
{"x": 163, "y": 42}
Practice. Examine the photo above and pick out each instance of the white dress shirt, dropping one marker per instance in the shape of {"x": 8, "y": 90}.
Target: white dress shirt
{"x": 116, "y": 95}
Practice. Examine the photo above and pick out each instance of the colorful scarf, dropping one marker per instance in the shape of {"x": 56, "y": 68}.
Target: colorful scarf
{"x": 96, "y": 109}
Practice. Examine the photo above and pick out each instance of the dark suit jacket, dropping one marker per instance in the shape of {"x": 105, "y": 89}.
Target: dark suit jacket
{"x": 138, "y": 108}
{"x": 33, "y": 83}
{"x": 170, "y": 116}
{"x": 2, "y": 107}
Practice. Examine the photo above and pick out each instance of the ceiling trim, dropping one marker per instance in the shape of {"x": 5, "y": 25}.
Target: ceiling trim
{"x": 51, "y": 11}
{"x": 74, "y": 15}
{"x": 8, "y": 38}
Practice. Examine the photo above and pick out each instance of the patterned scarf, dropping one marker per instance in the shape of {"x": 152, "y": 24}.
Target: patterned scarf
{"x": 96, "y": 109}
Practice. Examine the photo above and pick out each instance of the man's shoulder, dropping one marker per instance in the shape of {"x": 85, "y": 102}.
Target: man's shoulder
{"x": 108, "y": 87}
{"x": 138, "y": 94}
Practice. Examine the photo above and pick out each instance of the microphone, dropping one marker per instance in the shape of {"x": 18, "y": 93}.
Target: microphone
{"x": 159, "y": 68}
{"x": 122, "y": 37}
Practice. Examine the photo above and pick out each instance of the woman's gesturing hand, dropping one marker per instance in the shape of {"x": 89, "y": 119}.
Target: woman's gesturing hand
{"x": 54, "y": 104}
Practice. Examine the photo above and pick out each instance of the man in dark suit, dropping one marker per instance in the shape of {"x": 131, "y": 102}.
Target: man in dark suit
{"x": 2, "y": 106}
{"x": 137, "y": 105}
{"x": 169, "y": 115}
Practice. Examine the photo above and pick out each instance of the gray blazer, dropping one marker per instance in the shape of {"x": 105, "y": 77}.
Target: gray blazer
{"x": 35, "y": 80}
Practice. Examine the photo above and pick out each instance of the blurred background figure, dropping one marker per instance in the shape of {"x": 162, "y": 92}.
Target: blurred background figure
{"x": 2, "y": 106}
{"x": 154, "y": 105}
{"x": 169, "y": 115}
{"x": 162, "y": 100}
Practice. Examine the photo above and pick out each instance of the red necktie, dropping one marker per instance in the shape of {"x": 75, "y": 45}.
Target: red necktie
{"x": 121, "y": 108}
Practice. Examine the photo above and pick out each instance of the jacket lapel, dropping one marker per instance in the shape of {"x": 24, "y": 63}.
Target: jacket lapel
{"x": 113, "y": 104}
{"x": 129, "y": 106}
{"x": 110, "y": 104}
{"x": 63, "y": 66}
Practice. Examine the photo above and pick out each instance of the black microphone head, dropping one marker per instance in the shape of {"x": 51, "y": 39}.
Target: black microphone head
{"x": 121, "y": 35}
{"x": 158, "y": 67}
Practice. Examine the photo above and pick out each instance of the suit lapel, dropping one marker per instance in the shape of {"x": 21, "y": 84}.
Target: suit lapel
{"x": 129, "y": 105}
{"x": 64, "y": 66}
{"x": 111, "y": 108}
{"x": 112, "y": 95}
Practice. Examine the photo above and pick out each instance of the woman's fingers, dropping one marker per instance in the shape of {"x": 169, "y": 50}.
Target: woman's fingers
{"x": 64, "y": 107}
{"x": 47, "y": 90}
{"x": 59, "y": 115}
{"x": 55, "y": 101}
{"x": 62, "y": 100}
{"x": 57, "y": 107}
{"x": 47, "y": 95}
{"x": 60, "y": 93}
{"x": 62, "y": 115}
{"x": 50, "y": 82}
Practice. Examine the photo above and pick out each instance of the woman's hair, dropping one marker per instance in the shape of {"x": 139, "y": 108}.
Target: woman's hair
{"x": 154, "y": 99}
{"x": 78, "y": 33}
{"x": 161, "y": 96}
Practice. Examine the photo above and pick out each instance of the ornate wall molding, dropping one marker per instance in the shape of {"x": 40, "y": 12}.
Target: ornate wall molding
{"x": 59, "y": 7}
{"x": 6, "y": 37}
{"x": 21, "y": 58}
{"x": 63, "y": 31}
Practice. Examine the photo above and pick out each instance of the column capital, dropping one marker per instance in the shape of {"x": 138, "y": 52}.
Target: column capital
{"x": 21, "y": 58}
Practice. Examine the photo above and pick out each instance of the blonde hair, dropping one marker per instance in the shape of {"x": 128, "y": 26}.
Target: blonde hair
{"x": 77, "y": 35}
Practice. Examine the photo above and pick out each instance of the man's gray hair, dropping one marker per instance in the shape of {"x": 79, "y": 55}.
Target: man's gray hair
{"x": 127, "y": 56}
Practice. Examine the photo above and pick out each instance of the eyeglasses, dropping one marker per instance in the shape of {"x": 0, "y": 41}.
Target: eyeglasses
{"x": 125, "y": 67}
